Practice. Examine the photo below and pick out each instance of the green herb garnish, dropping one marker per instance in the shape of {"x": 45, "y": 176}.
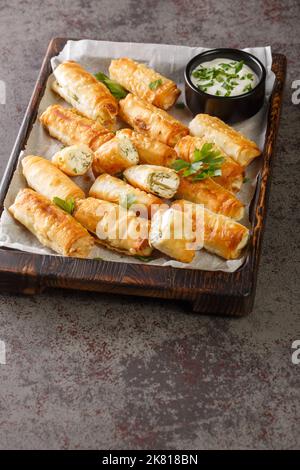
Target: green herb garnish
{"x": 145, "y": 259}
{"x": 246, "y": 180}
{"x": 66, "y": 205}
{"x": 154, "y": 85}
{"x": 207, "y": 163}
{"x": 238, "y": 67}
{"x": 247, "y": 88}
{"x": 115, "y": 88}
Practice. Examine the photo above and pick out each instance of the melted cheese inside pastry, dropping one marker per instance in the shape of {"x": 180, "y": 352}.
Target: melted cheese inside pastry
{"x": 109, "y": 188}
{"x": 152, "y": 152}
{"x": 168, "y": 235}
{"x": 75, "y": 160}
{"x": 115, "y": 156}
{"x": 221, "y": 235}
{"x": 52, "y": 226}
{"x": 158, "y": 180}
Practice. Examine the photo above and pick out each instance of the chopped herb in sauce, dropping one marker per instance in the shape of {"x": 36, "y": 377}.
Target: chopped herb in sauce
{"x": 224, "y": 77}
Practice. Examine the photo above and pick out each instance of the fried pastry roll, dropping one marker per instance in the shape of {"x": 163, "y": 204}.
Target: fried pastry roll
{"x": 115, "y": 227}
{"x": 52, "y": 226}
{"x": 230, "y": 141}
{"x": 213, "y": 196}
{"x": 151, "y": 121}
{"x": 158, "y": 180}
{"x": 232, "y": 173}
{"x": 85, "y": 93}
{"x": 169, "y": 234}
{"x": 221, "y": 235}
{"x": 144, "y": 82}
{"x": 115, "y": 156}
{"x": 68, "y": 126}
{"x": 109, "y": 188}
{"x": 47, "y": 179}
{"x": 75, "y": 160}
{"x": 152, "y": 152}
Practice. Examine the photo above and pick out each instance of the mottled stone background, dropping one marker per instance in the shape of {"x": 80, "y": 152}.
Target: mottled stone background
{"x": 85, "y": 370}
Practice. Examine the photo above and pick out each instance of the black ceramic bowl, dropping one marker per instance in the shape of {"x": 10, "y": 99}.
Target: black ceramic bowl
{"x": 228, "y": 108}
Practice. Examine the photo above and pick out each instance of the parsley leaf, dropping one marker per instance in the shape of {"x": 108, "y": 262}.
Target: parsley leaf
{"x": 154, "y": 85}
{"x": 207, "y": 162}
{"x": 145, "y": 259}
{"x": 115, "y": 88}
{"x": 66, "y": 205}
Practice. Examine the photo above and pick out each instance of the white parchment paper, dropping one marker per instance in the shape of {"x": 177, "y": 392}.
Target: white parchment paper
{"x": 170, "y": 61}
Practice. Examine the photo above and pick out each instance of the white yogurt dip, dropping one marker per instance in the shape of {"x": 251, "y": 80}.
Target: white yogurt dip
{"x": 224, "y": 77}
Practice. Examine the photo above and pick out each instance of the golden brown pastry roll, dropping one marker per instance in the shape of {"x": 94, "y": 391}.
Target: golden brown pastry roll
{"x": 47, "y": 179}
{"x": 52, "y": 226}
{"x": 151, "y": 121}
{"x": 221, "y": 235}
{"x": 158, "y": 180}
{"x": 75, "y": 160}
{"x": 115, "y": 156}
{"x": 230, "y": 141}
{"x": 213, "y": 196}
{"x": 152, "y": 152}
{"x": 169, "y": 235}
{"x": 109, "y": 188}
{"x": 85, "y": 93}
{"x": 232, "y": 173}
{"x": 144, "y": 82}
{"x": 116, "y": 228}
{"x": 71, "y": 128}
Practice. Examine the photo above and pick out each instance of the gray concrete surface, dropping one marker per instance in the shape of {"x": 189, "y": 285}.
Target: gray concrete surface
{"x": 100, "y": 371}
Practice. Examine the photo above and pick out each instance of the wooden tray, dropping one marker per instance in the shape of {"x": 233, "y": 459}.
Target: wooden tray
{"x": 208, "y": 292}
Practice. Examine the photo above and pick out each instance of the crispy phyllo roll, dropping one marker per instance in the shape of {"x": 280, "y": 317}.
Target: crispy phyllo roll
{"x": 47, "y": 179}
{"x": 52, "y": 226}
{"x": 232, "y": 174}
{"x": 152, "y": 152}
{"x": 85, "y": 93}
{"x": 172, "y": 234}
{"x": 75, "y": 160}
{"x": 109, "y": 188}
{"x": 144, "y": 82}
{"x": 68, "y": 126}
{"x": 158, "y": 180}
{"x": 221, "y": 235}
{"x": 116, "y": 228}
{"x": 230, "y": 141}
{"x": 213, "y": 196}
{"x": 115, "y": 156}
{"x": 151, "y": 121}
